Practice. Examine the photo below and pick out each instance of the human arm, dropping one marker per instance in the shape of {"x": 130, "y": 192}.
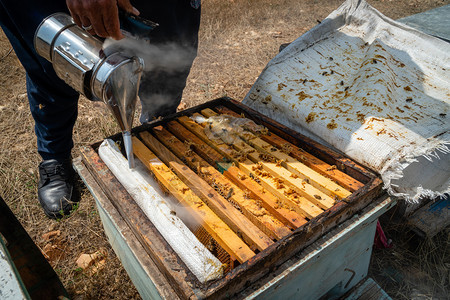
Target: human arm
{"x": 102, "y": 15}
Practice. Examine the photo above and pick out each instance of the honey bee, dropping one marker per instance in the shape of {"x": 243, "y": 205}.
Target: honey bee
{"x": 333, "y": 167}
{"x": 286, "y": 148}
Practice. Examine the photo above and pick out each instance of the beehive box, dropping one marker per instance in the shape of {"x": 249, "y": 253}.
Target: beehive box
{"x": 284, "y": 189}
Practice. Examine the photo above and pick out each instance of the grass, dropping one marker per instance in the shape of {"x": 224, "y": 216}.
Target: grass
{"x": 413, "y": 268}
{"x": 237, "y": 39}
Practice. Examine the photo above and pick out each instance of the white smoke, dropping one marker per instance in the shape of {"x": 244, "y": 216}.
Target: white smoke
{"x": 161, "y": 61}
{"x": 169, "y": 57}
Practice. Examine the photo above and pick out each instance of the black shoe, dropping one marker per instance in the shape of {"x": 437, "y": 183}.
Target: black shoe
{"x": 57, "y": 191}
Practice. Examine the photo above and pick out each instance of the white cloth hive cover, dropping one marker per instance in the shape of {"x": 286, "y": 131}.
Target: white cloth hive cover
{"x": 374, "y": 89}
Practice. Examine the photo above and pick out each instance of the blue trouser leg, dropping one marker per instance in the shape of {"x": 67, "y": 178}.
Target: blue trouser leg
{"x": 160, "y": 90}
{"x": 54, "y": 118}
{"x": 53, "y": 104}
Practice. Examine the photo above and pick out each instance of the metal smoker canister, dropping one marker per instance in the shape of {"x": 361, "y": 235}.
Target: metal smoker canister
{"x": 79, "y": 60}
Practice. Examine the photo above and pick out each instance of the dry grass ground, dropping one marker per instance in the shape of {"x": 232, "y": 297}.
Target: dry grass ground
{"x": 237, "y": 39}
{"x": 413, "y": 268}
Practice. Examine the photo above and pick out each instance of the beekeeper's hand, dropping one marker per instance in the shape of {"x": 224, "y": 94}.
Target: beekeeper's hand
{"x": 100, "y": 17}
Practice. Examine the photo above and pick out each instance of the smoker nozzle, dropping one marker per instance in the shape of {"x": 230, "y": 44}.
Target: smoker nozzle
{"x": 124, "y": 118}
{"x": 128, "y": 148}
{"x": 122, "y": 88}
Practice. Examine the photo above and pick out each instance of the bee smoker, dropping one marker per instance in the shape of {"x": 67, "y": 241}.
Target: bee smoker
{"x": 77, "y": 58}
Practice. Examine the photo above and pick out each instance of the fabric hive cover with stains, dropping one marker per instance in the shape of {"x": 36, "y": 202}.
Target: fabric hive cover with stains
{"x": 373, "y": 88}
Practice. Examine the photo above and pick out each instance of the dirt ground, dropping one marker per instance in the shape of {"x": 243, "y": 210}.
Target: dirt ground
{"x": 237, "y": 39}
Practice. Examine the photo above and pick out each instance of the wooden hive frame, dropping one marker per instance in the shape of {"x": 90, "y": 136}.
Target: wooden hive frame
{"x": 364, "y": 185}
